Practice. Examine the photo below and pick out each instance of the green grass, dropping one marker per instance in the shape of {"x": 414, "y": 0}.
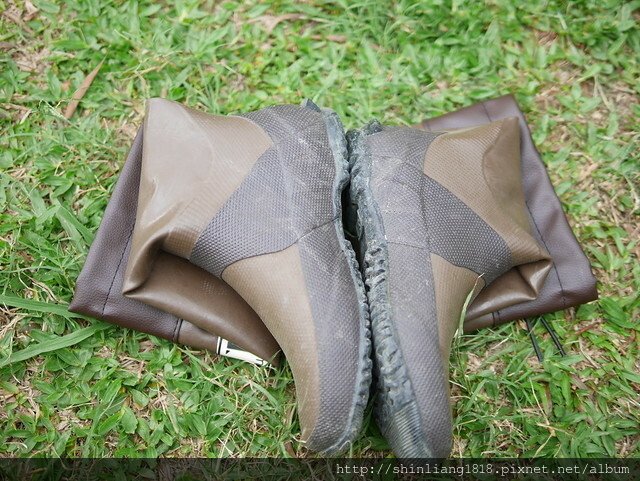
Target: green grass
{"x": 573, "y": 67}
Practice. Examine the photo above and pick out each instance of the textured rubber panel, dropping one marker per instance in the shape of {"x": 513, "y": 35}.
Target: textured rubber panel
{"x": 418, "y": 211}
{"x": 403, "y": 218}
{"x": 283, "y": 198}
{"x": 220, "y": 245}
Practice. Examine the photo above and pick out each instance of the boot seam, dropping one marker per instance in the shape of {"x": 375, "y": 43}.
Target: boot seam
{"x": 115, "y": 272}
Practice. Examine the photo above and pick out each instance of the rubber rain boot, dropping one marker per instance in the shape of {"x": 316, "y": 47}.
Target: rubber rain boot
{"x": 439, "y": 216}
{"x": 255, "y": 200}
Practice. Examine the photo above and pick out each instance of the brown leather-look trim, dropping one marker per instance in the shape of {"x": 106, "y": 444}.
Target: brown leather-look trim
{"x": 98, "y": 287}
{"x": 570, "y": 282}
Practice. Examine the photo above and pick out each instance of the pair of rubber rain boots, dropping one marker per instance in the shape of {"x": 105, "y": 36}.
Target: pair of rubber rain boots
{"x": 257, "y": 201}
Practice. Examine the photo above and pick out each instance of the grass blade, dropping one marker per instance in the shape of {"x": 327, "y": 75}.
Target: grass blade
{"x": 73, "y": 227}
{"x": 31, "y": 305}
{"x": 55, "y": 344}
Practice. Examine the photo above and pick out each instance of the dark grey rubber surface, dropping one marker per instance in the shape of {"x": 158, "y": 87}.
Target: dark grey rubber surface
{"x": 418, "y": 211}
{"x": 335, "y": 305}
{"x": 284, "y": 197}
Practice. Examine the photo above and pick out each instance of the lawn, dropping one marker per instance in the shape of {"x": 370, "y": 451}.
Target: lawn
{"x": 106, "y": 391}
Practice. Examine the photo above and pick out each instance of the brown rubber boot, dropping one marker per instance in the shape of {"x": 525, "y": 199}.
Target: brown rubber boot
{"x": 440, "y": 216}
{"x": 255, "y": 200}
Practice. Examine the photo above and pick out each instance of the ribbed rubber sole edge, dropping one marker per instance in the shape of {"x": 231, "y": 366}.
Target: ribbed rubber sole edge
{"x": 338, "y": 143}
{"x": 396, "y": 408}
